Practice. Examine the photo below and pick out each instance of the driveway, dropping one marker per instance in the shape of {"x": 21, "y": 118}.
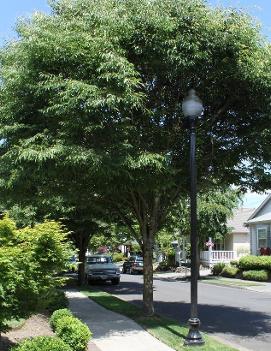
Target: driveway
{"x": 240, "y": 316}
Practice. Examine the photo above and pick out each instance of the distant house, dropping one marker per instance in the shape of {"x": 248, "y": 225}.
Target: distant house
{"x": 259, "y": 225}
{"x": 238, "y": 239}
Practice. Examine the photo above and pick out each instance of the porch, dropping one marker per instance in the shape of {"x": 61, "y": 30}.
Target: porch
{"x": 211, "y": 257}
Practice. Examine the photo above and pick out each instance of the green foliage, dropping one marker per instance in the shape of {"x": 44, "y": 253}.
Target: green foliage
{"x": 56, "y": 300}
{"x": 229, "y": 271}
{"x": 57, "y": 315}
{"x": 255, "y": 262}
{"x": 118, "y": 257}
{"x": 164, "y": 240}
{"x": 7, "y": 228}
{"x": 215, "y": 207}
{"x": 163, "y": 266}
{"x": 30, "y": 260}
{"x": 258, "y": 275}
{"x": 73, "y": 332}
{"x": 234, "y": 263}
{"x": 90, "y": 104}
{"x": 218, "y": 268}
{"x": 42, "y": 343}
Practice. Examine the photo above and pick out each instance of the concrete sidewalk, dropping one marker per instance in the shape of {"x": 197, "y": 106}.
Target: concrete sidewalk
{"x": 111, "y": 331}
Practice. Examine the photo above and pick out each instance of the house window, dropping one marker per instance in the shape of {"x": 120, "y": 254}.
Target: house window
{"x": 262, "y": 237}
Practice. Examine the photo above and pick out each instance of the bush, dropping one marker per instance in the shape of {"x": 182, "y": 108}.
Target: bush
{"x": 57, "y": 315}
{"x": 229, "y": 271}
{"x": 234, "y": 263}
{"x": 117, "y": 257}
{"x": 162, "y": 266}
{"x": 258, "y": 275}
{"x": 255, "y": 262}
{"x": 74, "y": 332}
{"x": 57, "y": 300}
{"x": 30, "y": 260}
{"x": 42, "y": 343}
{"x": 218, "y": 268}
{"x": 52, "y": 301}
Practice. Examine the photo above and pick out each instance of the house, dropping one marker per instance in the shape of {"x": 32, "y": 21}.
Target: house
{"x": 238, "y": 239}
{"x": 234, "y": 245}
{"x": 259, "y": 225}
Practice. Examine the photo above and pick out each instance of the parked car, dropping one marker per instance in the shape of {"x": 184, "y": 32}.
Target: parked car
{"x": 133, "y": 265}
{"x": 101, "y": 267}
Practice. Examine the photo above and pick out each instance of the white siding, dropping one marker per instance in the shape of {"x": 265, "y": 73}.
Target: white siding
{"x": 241, "y": 243}
{"x": 229, "y": 242}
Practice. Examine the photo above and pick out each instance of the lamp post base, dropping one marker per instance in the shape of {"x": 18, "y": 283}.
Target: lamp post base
{"x": 194, "y": 337}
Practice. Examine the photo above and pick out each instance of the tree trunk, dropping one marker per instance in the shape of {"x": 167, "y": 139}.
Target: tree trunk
{"x": 83, "y": 240}
{"x": 147, "y": 235}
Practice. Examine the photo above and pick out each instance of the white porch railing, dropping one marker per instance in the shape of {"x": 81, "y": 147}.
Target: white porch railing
{"x": 211, "y": 257}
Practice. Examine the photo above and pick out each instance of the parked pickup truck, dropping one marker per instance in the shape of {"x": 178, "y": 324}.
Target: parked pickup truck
{"x": 101, "y": 267}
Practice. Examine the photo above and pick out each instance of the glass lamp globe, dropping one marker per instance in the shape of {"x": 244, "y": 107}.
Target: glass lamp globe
{"x": 192, "y": 105}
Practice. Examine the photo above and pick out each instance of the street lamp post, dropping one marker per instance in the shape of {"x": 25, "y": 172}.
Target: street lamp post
{"x": 192, "y": 108}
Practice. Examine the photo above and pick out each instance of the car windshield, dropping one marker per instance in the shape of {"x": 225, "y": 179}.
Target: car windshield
{"x": 98, "y": 259}
{"x": 139, "y": 258}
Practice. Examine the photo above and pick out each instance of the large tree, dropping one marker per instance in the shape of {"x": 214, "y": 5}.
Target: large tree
{"x": 91, "y": 97}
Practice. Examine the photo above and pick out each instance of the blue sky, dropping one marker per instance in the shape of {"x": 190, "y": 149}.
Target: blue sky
{"x": 10, "y": 10}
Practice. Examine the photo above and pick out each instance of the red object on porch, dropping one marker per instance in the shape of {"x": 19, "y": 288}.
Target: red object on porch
{"x": 265, "y": 251}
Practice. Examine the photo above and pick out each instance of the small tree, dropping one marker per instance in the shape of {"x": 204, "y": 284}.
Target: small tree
{"x": 30, "y": 260}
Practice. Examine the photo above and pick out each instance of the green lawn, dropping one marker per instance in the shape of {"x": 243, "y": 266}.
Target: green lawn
{"x": 166, "y": 330}
{"x": 229, "y": 282}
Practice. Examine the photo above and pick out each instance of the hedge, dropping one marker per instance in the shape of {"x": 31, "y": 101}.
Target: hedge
{"x": 255, "y": 262}
{"x": 229, "y": 271}
{"x": 42, "y": 343}
{"x": 74, "y": 332}
{"x": 258, "y": 275}
{"x": 218, "y": 268}
{"x": 57, "y": 315}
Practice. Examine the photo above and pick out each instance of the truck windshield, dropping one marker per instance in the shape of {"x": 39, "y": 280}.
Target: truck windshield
{"x": 98, "y": 259}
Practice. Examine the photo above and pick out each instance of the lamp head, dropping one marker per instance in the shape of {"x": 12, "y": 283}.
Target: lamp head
{"x": 192, "y": 105}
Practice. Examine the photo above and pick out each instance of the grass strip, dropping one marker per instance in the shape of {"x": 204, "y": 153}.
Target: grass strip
{"x": 170, "y": 332}
{"x": 228, "y": 282}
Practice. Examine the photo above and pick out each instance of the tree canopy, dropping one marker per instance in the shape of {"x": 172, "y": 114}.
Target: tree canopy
{"x": 90, "y": 107}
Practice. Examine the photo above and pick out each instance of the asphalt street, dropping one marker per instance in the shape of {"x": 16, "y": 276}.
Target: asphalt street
{"x": 240, "y": 316}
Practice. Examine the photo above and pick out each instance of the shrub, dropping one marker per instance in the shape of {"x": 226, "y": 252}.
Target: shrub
{"x": 57, "y": 315}
{"x": 234, "y": 263}
{"x": 162, "y": 266}
{"x": 74, "y": 332}
{"x": 117, "y": 257}
{"x": 218, "y": 268}
{"x": 30, "y": 260}
{"x": 258, "y": 275}
{"x": 42, "y": 343}
{"x": 57, "y": 300}
{"x": 255, "y": 262}
{"x": 52, "y": 301}
{"x": 229, "y": 271}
